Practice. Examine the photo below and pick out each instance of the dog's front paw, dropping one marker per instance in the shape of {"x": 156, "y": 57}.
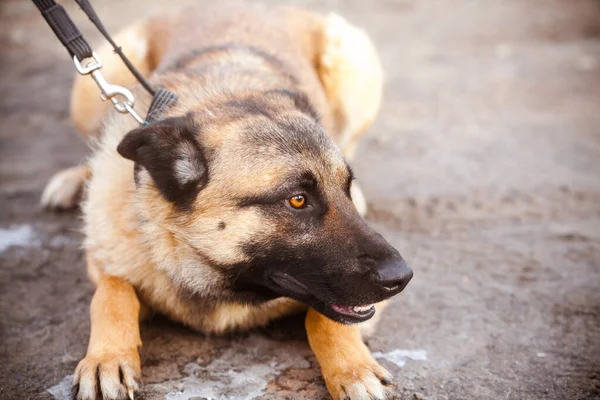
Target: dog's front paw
{"x": 361, "y": 381}
{"x": 107, "y": 376}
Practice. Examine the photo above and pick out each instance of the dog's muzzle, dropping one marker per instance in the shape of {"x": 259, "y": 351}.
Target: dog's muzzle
{"x": 389, "y": 278}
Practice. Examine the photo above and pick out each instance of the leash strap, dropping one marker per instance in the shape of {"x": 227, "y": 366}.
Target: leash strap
{"x": 68, "y": 34}
{"x": 64, "y": 28}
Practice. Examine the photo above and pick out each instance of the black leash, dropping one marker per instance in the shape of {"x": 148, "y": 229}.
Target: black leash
{"x": 68, "y": 34}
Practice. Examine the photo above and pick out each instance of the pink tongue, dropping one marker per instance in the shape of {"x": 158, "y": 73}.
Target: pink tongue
{"x": 343, "y": 308}
{"x": 352, "y": 310}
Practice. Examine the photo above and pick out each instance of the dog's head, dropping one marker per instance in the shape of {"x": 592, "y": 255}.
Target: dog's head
{"x": 253, "y": 193}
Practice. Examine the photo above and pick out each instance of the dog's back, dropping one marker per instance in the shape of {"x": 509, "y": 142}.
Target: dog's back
{"x": 273, "y": 48}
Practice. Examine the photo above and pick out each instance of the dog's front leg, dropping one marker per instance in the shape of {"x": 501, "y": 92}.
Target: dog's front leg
{"x": 111, "y": 369}
{"x": 349, "y": 369}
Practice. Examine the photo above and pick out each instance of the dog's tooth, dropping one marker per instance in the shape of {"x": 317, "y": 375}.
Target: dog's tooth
{"x": 361, "y": 308}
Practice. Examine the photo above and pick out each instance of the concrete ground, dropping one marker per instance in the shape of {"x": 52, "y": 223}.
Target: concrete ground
{"x": 483, "y": 169}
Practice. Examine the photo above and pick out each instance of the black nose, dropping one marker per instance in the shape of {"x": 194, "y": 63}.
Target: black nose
{"x": 394, "y": 274}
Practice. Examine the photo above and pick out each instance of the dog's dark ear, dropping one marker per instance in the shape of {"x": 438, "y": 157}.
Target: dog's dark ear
{"x": 170, "y": 153}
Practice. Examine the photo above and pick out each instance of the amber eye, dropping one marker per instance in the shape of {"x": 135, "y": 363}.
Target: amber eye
{"x": 297, "y": 202}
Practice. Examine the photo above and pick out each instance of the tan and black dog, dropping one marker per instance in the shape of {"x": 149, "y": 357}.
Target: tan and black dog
{"x": 237, "y": 207}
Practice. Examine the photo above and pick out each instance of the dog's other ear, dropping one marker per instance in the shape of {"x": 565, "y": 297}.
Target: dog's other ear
{"x": 171, "y": 154}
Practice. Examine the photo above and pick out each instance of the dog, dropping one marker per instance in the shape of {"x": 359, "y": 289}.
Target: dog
{"x": 238, "y": 205}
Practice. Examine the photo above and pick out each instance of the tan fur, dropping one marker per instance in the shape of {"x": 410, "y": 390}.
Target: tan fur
{"x": 140, "y": 246}
{"x": 348, "y": 54}
{"x": 349, "y": 369}
{"x": 112, "y": 359}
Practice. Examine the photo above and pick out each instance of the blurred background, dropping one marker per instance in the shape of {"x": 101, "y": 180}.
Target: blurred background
{"x": 483, "y": 168}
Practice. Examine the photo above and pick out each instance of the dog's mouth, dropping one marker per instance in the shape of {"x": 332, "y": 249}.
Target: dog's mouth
{"x": 288, "y": 286}
{"x": 360, "y": 313}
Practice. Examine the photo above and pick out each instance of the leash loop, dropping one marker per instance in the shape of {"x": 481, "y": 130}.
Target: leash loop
{"x": 89, "y": 67}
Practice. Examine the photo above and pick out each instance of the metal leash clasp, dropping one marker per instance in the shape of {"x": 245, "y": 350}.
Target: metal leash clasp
{"x": 121, "y": 97}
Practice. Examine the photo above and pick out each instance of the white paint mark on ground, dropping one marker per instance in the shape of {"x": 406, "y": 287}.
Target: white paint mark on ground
{"x": 17, "y": 235}
{"x": 62, "y": 390}
{"x": 399, "y": 356}
{"x": 241, "y": 372}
